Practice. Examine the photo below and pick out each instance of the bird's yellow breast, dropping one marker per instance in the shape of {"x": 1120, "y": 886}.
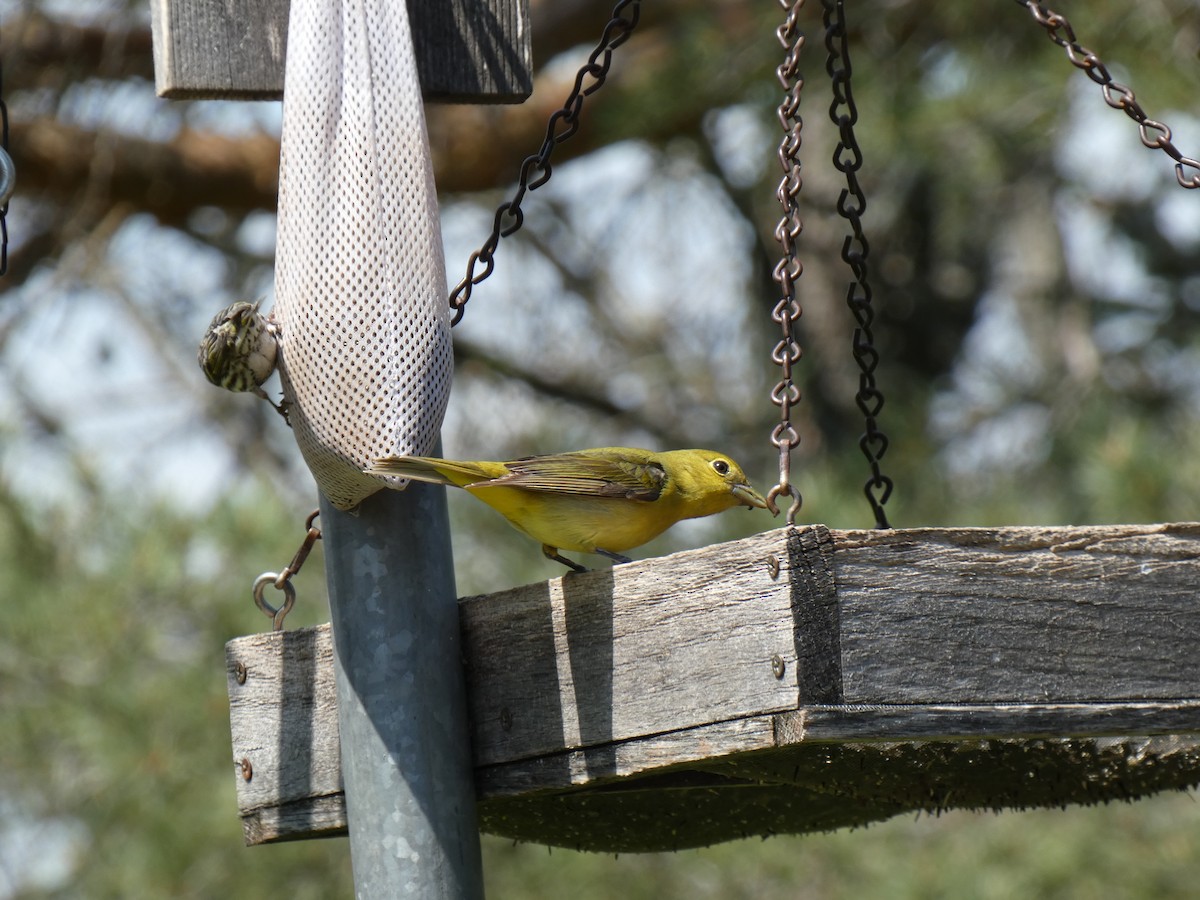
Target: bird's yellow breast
{"x": 581, "y": 523}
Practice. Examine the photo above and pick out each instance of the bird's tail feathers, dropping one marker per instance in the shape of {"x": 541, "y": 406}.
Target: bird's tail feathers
{"x": 429, "y": 469}
{"x": 418, "y": 468}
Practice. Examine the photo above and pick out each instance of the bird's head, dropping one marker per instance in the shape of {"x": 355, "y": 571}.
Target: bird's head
{"x": 712, "y": 481}
{"x": 239, "y": 348}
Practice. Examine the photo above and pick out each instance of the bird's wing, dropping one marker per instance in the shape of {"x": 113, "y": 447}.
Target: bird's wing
{"x": 585, "y": 475}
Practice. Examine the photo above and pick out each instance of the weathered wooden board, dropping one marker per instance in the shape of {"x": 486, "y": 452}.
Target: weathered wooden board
{"x": 743, "y": 657}
{"x": 639, "y": 649}
{"x": 975, "y": 722}
{"x": 475, "y": 51}
{"x": 989, "y": 615}
{"x": 283, "y": 717}
{"x": 608, "y": 763}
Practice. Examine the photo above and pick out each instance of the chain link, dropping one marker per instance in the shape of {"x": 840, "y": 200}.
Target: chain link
{"x": 536, "y": 169}
{"x": 787, "y": 272}
{"x": 1154, "y": 135}
{"x": 852, "y": 203}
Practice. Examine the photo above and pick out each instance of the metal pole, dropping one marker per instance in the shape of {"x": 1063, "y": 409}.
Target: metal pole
{"x": 406, "y": 765}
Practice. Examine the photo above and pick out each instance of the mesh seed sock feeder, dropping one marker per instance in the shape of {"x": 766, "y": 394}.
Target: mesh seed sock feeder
{"x": 366, "y": 357}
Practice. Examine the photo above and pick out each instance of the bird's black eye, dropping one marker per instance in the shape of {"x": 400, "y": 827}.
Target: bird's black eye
{"x": 720, "y": 466}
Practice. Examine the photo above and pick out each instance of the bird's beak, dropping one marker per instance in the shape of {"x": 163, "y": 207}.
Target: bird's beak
{"x": 749, "y": 496}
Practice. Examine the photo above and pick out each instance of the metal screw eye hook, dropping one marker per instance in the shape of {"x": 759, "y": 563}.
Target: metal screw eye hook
{"x": 8, "y": 177}
{"x": 289, "y": 598}
{"x": 785, "y": 490}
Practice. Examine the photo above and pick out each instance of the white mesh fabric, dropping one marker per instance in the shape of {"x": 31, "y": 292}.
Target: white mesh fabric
{"x": 360, "y": 290}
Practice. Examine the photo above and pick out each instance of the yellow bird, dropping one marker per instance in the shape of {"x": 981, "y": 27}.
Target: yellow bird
{"x": 605, "y": 500}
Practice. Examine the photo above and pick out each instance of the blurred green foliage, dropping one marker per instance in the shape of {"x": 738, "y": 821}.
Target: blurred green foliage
{"x": 114, "y": 721}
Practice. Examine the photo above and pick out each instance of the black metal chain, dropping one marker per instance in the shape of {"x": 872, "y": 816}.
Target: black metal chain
{"x": 848, "y": 159}
{"x": 1155, "y": 135}
{"x": 787, "y": 351}
{"x": 536, "y": 169}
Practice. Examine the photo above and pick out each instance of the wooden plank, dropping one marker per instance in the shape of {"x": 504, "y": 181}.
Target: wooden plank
{"x": 623, "y": 759}
{"x": 995, "y": 615}
{"x": 283, "y": 717}
{"x": 928, "y": 637}
{"x": 475, "y": 51}
{"x": 644, "y": 648}
{"x": 974, "y": 722}
{"x": 595, "y": 766}
{"x": 298, "y": 820}
{"x": 762, "y": 758}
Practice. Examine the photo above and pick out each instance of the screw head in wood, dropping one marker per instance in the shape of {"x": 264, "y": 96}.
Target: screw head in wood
{"x": 246, "y": 769}
{"x": 240, "y": 672}
{"x": 777, "y": 665}
{"x": 773, "y": 566}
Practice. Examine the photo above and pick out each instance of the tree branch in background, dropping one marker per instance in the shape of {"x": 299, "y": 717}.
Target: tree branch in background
{"x": 583, "y": 395}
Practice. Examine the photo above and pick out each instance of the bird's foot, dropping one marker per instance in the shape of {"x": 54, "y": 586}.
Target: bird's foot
{"x": 281, "y": 407}
{"x": 552, "y": 553}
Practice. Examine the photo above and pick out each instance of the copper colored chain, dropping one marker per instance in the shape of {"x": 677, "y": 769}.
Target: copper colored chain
{"x": 787, "y": 351}
{"x": 1155, "y": 135}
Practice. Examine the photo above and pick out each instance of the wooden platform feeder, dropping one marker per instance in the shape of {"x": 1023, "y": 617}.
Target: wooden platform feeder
{"x": 802, "y": 679}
